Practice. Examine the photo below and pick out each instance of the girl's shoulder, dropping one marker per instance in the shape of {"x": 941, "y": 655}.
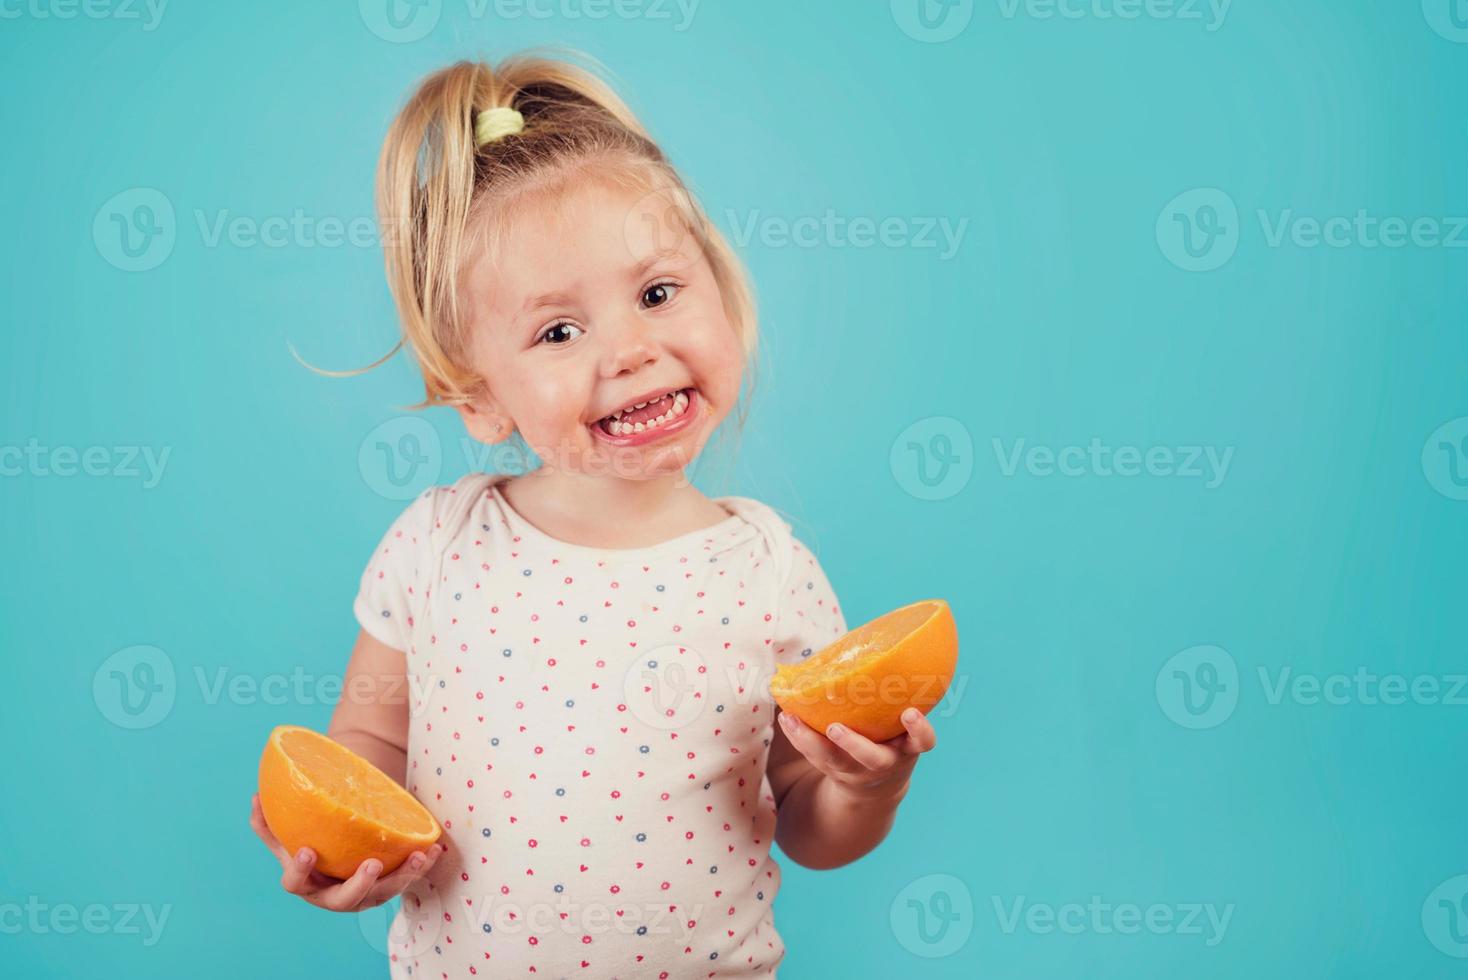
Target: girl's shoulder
{"x": 441, "y": 513}
{"x": 777, "y": 533}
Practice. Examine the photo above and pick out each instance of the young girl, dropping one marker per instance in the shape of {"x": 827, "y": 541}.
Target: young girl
{"x": 585, "y": 649}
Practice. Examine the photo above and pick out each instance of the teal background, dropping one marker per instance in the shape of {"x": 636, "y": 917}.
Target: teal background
{"x": 1059, "y": 773}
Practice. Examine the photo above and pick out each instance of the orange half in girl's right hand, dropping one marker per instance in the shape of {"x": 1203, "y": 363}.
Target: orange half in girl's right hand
{"x": 317, "y": 793}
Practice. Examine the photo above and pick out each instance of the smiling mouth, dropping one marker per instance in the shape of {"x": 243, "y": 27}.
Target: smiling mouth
{"x": 649, "y": 415}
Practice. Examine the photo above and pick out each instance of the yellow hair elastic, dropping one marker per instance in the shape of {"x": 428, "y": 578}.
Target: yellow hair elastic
{"x": 497, "y": 123}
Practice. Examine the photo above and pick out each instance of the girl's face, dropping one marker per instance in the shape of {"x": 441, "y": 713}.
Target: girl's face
{"x": 593, "y": 308}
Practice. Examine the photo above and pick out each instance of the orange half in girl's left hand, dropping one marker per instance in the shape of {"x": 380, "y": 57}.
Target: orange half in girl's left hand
{"x": 866, "y": 679}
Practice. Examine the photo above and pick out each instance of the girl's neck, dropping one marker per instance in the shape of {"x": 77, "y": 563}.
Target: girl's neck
{"x": 609, "y": 512}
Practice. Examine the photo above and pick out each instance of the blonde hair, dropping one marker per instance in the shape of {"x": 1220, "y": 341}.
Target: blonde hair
{"x": 440, "y": 195}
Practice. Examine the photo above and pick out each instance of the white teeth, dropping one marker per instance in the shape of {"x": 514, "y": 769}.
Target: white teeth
{"x": 620, "y": 428}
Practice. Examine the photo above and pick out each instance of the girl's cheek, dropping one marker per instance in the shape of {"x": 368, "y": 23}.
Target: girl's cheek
{"x": 717, "y": 350}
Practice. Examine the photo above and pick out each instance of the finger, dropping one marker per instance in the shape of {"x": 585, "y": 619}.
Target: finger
{"x": 414, "y": 869}
{"x": 262, "y": 831}
{"x": 418, "y": 864}
{"x": 296, "y": 878}
{"x": 920, "y": 736}
{"x": 350, "y": 893}
{"x": 866, "y": 753}
{"x": 819, "y": 750}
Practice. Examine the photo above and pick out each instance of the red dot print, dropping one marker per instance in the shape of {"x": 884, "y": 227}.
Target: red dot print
{"x": 478, "y": 547}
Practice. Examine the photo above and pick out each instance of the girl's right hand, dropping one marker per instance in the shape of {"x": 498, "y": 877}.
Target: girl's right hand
{"x": 363, "y": 890}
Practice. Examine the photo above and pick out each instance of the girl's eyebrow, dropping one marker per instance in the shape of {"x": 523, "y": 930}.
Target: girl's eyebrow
{"x": 554, "y": 298}
{"x": 642, "y": 268}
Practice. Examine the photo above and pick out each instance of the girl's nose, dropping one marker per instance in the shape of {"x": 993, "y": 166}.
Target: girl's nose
{"x": 632, "y": 348}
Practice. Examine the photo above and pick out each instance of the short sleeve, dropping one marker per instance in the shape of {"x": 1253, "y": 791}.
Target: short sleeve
{"x": 809, "y": 615}
{"x": 394, "y": 582}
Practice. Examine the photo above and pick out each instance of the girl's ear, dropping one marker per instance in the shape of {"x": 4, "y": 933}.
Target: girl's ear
{"x": 484, "y": 419}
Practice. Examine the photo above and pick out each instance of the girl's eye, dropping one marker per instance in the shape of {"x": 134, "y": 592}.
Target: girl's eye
{"x": 560, "y": 333}
{"x": 660, "y": 293}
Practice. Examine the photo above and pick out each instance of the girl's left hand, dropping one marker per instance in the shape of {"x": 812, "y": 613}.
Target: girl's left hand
{"x": 861, "y": 768}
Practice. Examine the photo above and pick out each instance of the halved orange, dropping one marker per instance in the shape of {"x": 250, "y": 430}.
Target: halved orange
{"x": 869, "y": 677}
{"x": 317, "y": 793}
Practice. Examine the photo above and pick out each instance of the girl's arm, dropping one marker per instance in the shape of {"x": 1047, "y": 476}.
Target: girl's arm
{"x": 836, "y": 799}
{"x": 371, "y": 718}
